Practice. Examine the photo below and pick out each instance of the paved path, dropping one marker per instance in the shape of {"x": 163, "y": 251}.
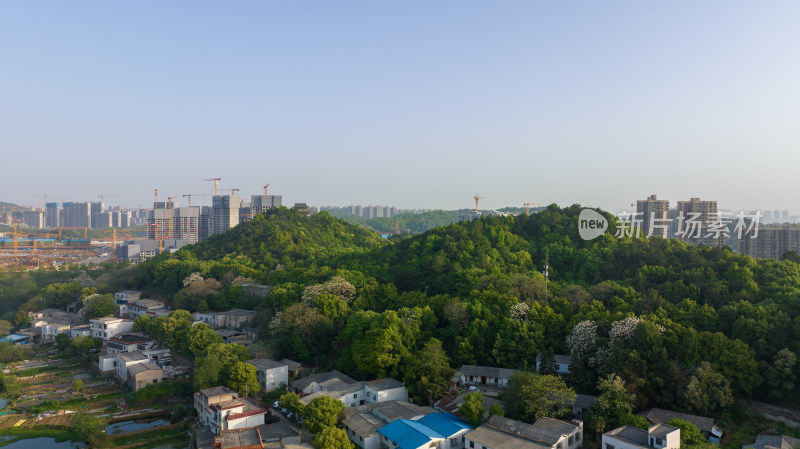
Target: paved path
{"x": 787, "y": 416}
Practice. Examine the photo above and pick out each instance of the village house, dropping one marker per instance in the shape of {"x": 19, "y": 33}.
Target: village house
{"x": 107, "y": 327}
{"x": 359, "y": 393}
{"x": 143, "y": 374}
{"x": 440, "y": 430}
{"x": 311, "y": 383}
{"x": 233, "y": 319}
{"x": 53, "y": 327}
{"x": 659, "y": 436}
{"x": 362, "y": 422}
{"x": 139, "y": 307}
{"x": 484, "y": 375}
{"x": 127, "y": 296}
{"x": 563, "y": 363}
{"x": 221, "y": 408}
{"x": 266, "y": 436}
{"x": 270, "y": 374}
{"x": 706, "y": 425}
{"x": 84, "y": 330}
{"x": 773, "y": 442}
{"x": 233, "y": 336}
{"x": 128, "y": 343}
{"x": 383, "y": 390}
{"x": 505, "y": 433}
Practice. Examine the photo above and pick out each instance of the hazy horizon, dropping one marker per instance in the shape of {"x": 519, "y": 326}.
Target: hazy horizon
{"x": 413, "y": 105}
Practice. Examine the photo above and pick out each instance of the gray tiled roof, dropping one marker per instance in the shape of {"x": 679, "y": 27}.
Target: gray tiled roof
{"x": 661, "y": 430}
{"x": 658, "y": 416}
{"x": 216, "y": 391}
{"x": 145, "y": 366}
{"x": 546, "y": 431}
{"x": 363, "y": 424}
{"x": 321, "y": 377}
{"x": 392, "y": 410}
{"x": 265, "y": 364}
{"x": 498, "y": 439}
{"x": 291, "y": 364}
{"x": 238, "y": 438}
{"x": 487, "y": 371}
{"x": 631, "y": 435}
{"x": 135, "y": 356}
{"x": 773, "y": 442}
{"x": 384, "y": 384}
{"x": 560, "y": 359}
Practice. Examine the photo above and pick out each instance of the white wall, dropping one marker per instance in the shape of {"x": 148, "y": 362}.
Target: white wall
{"x": 371, "y": 442}
{"x": 395, "y": 394}
{"x": 250, "y": 421}
{"x": 273, "y": 378}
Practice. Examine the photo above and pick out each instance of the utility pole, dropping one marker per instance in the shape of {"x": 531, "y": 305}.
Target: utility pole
{"x": 546, "y": 274}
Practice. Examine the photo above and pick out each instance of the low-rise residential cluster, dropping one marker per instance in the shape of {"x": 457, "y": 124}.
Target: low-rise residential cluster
{"x": 377, "y": 413}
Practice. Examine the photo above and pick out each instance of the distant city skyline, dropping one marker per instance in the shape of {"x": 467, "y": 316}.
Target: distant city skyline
{"x": 412, "y": 105}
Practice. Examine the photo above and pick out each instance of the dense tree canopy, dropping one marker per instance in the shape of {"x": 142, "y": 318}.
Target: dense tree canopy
{"x": 648, "y": 311}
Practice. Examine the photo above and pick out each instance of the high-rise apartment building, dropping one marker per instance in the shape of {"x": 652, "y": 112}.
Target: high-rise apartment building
{"x": 104, "y": 220}
{"x": 76, "y": 215}
{"x": 158, "y": 224}
{"x": 224, "y": 212}
{"x": 697, "y": 221}
{"x": 52, "y": 217}
{"x": 772, "y": 241}
{"x": 655, "y": 216}
{"x": 97, "y": 208}
{"x": 186, "y": 223}
{"x": 33, "y": 219}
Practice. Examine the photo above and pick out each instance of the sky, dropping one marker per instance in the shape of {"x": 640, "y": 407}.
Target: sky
{"x": 415, "y": 104}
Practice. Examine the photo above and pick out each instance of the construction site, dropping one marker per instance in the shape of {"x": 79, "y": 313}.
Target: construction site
{"x": 24, "y": 250}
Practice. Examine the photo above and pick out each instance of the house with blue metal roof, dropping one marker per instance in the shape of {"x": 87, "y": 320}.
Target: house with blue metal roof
{"x": 437, "y": 430}
{"x": 17, "y": 339}
{"x": 448, "y": 425}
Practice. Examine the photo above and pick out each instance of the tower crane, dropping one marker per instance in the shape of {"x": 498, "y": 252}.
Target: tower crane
{"x": 103, "y": 196}
{"x": 155, "y": 203}
{"x": 190, "y": 195}
{"x": 169, "y": 204}
{"x": 114, "y": 242}
{"x": 528, "y": 207}
{"x": 216, "y": 184}
{"x": 157, "y": 237}
{"x": 477, "y": 198}
{"x": 265, "y": 189}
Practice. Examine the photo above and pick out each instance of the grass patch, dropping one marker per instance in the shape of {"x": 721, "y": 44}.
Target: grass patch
{"x": 23, "y": 433}
{"x": 160, "y": 391}
{"x": 38, "y": 370}
{"x": 273, "y": 395}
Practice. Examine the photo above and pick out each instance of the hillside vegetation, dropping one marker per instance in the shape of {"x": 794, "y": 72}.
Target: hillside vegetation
{"x": 648, "y": 310}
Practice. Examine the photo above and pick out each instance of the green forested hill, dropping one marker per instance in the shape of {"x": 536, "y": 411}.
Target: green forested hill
{"x": 647, "y": 310}
{"x": 283, "y": 235}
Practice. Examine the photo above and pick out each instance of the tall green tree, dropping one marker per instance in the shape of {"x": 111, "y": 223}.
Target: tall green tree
{"x": 472, "y": 408}
{"x": 243, "y": 378}
{"x": 613, "y": 403}
{"x": 90, "y": 428}
{"x": 321, "y": 413}
{"x": 531, "y": 396}
{"x": 428, "y": 373}
{"x": 332, "y": 438}
{"x": 708, "y": 390}
{"x": 291, "y": 402}
{"x": 98, "y": 306}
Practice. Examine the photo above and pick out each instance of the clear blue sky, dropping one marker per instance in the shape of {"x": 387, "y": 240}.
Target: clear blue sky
{"x": 413, "y": 103}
